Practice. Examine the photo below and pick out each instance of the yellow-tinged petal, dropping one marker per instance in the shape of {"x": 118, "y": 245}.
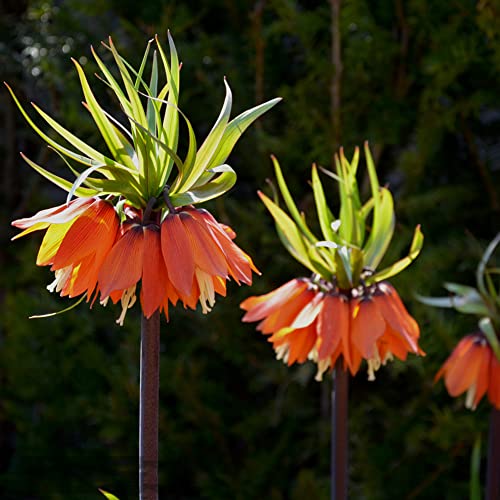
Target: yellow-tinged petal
{"x": 51, "y": 242}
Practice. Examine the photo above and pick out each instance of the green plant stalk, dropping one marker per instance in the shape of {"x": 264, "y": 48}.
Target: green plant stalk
{"x": 493, "y": 471}
{"x": 339, "y": 432}
{"x": 149, "y": 407}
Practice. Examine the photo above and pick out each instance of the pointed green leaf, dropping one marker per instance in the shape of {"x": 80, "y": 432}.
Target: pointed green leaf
{"x": 483, "y": 263}
{"x": 382, "y": 228}
{"x": 397, "y": 267}
{"x": 153, "y": 88}
{"x": 210, "y": 145}
{"x": 109, "y": 496}
{"x": 292, "y": 208}
{"x": 289, "y": 233}
{"x": 114, "y": 142}
{"x": 59, "y": 181}
{"x": 325, "y": 215}
{"x": 223, "y": 180}
{"x": 170, "y": 126}
{"x": 235, "y": 129}
{"x": 486, "y": 326}
{"x": 111, "y": 168}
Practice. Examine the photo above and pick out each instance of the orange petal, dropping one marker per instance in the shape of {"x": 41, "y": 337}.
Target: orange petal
{"x": 483, "y": 374}
{"x": 178, "y": 253}
{"x": 122, "y": 267}
{"x": 259, "y": 307}
{"x": 494, "y": 382}
{"x": 461, "y": 348}
{"x": 154, "y": 274}
{"x": 285, "y": 316}
{"x": 394, "y": 313}
{"x": 220, "y": 285}
{"x": 463, "y": 372}
{"x": 240, "y": 265}
{"x": 94, "y": 231}
{"x": 208, "y": 255}
{"x": 301, "y": 342}
{"x": 367, "y": 326}
{"x": 392, "y": 342}
{"x": 332, "y": 325}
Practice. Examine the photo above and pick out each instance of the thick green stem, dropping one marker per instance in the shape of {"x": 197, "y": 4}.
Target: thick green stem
{"x": 493, "y": 472}
{"x": 148, "y": 408}
{"x": 339, "y": 439}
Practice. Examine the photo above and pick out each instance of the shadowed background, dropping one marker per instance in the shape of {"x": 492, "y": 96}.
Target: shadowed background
{"x": 420, "y": 81}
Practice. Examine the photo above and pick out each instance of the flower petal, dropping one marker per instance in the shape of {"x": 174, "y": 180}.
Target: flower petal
{"x": 55, "y": 215}
{"x": 94, "y": 231}
{"x": 494, "y": 382}
{"x": 208, "y": 255}
{"x": 178, "y": 254}
{"x": 154, "y": 274}
{"x": 367, "y": 326}
{"x": 259, "y": 307}
{"x": 51, "y": 242}
{"x": 332, "y": 325}
{"x": 122, "y": 267}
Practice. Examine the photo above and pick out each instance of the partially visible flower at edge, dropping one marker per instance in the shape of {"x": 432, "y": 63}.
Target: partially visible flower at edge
{"x": 474, "y": 364}
{"x": 472, "y": 367}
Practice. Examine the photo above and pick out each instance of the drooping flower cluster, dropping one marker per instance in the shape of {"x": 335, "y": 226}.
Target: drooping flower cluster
{"x": 133, "y": 219}
{"x": 187, "y": 257}
{"x": 346, "y": 310}
{"x": 474, "y": 364}
{"x": 308, "y": 320}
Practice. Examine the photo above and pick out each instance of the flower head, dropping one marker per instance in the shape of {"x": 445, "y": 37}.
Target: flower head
{"x": 472, "y": 367}
{"x": 133, "y": 219}
{"x": 346, "y": 308}
{"x": 308, "y": 321}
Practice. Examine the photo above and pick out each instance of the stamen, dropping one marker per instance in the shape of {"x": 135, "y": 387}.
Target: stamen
{"x": 127, "y": 301}
{"x": 282, "y": 352}
{"x": 469, "y": 399}
{"x": 323, "y": 366}
{"x": 373, "y": 365}
{"x": 207, "y": 292}
{"x": 62, "y": 277}
{"x": 388, "y": 357}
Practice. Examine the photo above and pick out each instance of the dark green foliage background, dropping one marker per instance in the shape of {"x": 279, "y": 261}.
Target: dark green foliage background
{"x": 421, "y": 83}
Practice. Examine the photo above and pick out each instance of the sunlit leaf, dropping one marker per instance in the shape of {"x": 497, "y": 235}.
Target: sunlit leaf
{"x": 397, "y": 267}
{"x": 292, "y": 208}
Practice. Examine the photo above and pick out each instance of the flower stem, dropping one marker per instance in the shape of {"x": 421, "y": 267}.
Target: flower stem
{"x": 493, "y": 475}
{"x": 339, "y": 438}
{"x": 148, "y": 408}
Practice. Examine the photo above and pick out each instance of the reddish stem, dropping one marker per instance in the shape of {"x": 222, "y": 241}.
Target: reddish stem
{"x": 148, "y": 407}
{"x": 339, "y": 439}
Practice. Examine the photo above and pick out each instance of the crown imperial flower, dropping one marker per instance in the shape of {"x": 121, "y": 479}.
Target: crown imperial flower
{"x": 346, "y": 309}
{"x": 130, "y": 214}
